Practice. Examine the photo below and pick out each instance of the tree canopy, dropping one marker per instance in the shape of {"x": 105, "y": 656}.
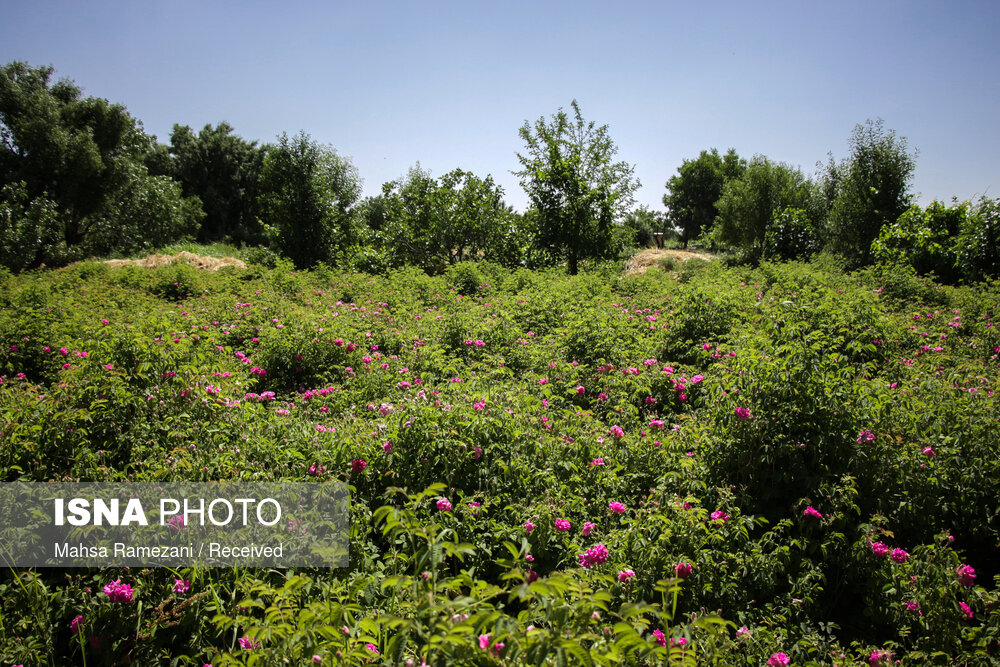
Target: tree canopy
{"x": 695, "y": 189}
{"x": 306, "y": 193}
{"x": 81, "y": 160}
{"x": 748, "y": 204}
{"x": 870, "y": 189}
{"x": 573, "y": 183}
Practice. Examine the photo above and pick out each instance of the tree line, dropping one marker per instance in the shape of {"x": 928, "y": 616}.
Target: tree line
{"x": 80, "y": 177}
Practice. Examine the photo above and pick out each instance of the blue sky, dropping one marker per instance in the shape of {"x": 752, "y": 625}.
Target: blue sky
{"x": 449, "y": 84}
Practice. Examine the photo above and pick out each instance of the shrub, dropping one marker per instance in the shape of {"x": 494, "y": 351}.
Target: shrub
{"x": 791, "y": 235}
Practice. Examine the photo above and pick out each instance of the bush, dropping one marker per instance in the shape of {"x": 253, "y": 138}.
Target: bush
{"x": 925, "y": 239}
{"x": 791, "y": 235}
{"x": 978, "y": 245}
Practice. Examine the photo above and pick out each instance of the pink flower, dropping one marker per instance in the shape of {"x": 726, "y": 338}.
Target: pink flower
{"x": 444, "y": 505}
{"x": 74, "y": 625}
{"x": 966, "y": 575}
{"x": 486, "y": 640}
{"x": 880, "y": 549}
{"x": 588, "y": 528}
{"x": 616, "y": 507}
{"x": 248, "y": 644}
{"x": 543, "y": 381}
{"x": 597, "y": 462}
{"x": 625, "y": 575}
{"x": 616, "y": 432}
{"x": 811, "y": 511}
{"x": 528, "y": 527}
{"x": 181, "y": 585}
{"x": 928, "y": 451}
{"x": 595, "y": 555}
{"x": 742, "y": 413}
{"x": 358, "y": 465}
{"x": 880, "y": 658}
{"x": 580, "y": 390}
{"x": 118, "y": 592}
{"x": 656, "y": 423}
{"x": 659, "y": 637}
{"x": 865, "y": 437}
{"x": 914, "y": 607}
{"x": 719, "y": 515}
{"x": 372, "y": 648}
{"x": 683, "y": 570}
{"x": 743, "y": 631}
{"x": 899, "y": 555}
{"x": 966, "y": 609}
{"x": 778, "y": 660}
{"x": 563, "y": 525}
{"x": 387, "y": 447}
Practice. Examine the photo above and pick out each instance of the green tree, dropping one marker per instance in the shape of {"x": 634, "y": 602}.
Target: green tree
{"x": 306, "y": 194}
{"x": 870, "y": 189}
{"x": 573, "y": 184}
{"x": 222, "y": 170}
{"x": 695, "y": 189}
{"x": 748, "y": 204}
{"x": 437, "y": 222}
{"x": 87, "y": 157}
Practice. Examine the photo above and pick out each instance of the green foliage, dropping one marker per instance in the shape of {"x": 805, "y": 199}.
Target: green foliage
{"x": 28, "y": 229}
{"x": 869, "y": 190}
{"x": 716, "y": 406}
{"x": 644, "y": 224}
{"x": 749, "y": 204}
{"x": 77, "y": 166}
{"x": 574, "y": 187}
{"x": 306, "y": 191}
{"x": 978, "y": 244}
{"x": 435, "y": 223}
{"x": 222, "y": 170}
{"x": 924, "y": 238}
{"x": 693, "y": 192}
{"x": 791, "y": 235}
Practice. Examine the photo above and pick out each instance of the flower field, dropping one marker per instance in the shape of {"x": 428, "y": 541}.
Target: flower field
{"x": 783, "y": 465}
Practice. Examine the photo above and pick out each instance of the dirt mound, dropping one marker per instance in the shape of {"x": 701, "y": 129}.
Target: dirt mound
{"x": 653, "y": 256}
{"x": 197, "y": 261}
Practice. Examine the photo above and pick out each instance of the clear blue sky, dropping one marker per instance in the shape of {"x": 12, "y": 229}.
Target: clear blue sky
{"x": 449, "y": 84}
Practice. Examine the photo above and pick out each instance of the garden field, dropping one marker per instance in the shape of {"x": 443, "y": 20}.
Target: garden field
{"x": 719, "y": 465}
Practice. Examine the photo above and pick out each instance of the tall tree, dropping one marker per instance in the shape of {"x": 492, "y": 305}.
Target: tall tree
{"x": 695, "y": 189}
{"x": 87, "y": 157}
{"x": 574, "y": 185}
{"x": 306, "y": 193}
{"x": 222, "y": 169}
{"x": 870, "y": 189}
